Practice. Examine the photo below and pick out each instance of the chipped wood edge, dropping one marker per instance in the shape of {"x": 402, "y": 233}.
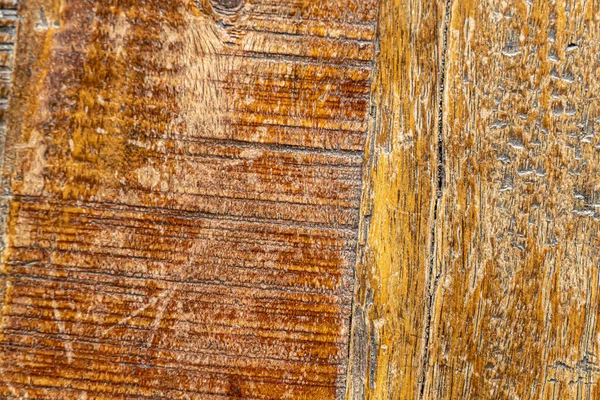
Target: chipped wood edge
{"x": 9, "y": 25}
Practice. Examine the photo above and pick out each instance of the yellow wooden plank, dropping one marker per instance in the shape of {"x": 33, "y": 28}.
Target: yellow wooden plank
{"x": 517, "y": 304}
{"x": 481, "y": 281}
{"x": 394, "y": 274}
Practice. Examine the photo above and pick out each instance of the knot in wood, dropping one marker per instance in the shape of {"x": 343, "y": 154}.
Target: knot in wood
{"x": 227, "y": 7}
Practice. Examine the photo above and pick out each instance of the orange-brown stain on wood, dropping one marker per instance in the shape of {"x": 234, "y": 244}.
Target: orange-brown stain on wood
{"x": 185, "y": 181}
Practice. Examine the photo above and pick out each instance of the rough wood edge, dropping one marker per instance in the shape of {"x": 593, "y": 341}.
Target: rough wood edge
{"x": 9, "y": 18}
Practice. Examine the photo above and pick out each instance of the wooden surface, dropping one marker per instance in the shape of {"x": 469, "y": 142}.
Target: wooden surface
{"x": 193, "y": 191}
{"x": 516, "y": 308}
{"x": 392, "y": 303}
{"x": 185, "y": 182}
{"x": 478, "y": 260}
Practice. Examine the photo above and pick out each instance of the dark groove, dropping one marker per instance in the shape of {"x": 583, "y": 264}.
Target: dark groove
{"x": 441, "y": 166}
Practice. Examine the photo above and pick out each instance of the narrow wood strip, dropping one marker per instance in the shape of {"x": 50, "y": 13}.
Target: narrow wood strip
{"x": 8, "y": 37}
{"x": 393, "y": 277}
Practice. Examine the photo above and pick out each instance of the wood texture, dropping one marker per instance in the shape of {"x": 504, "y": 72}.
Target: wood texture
{"x": 517, "y": 257}
{"x": 392, "y": 299}
{"x": 480, "y": 281}
{"x": 8, "y": 36}
{"x": 185, "y": 181}
{"x": 8, "y": 31}
{"x": 194, "y": 189}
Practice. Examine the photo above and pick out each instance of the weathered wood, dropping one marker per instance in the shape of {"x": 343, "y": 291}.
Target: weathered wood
{"x": 185, "y": 181}
{"x": 393, "y": 275}
{"x": 182, "y": 181}
{"x": 507, "y": 308}
{"x": 517, "y": 257}
{"x": 8, "y": 30}
{"x": 8, "y": 34}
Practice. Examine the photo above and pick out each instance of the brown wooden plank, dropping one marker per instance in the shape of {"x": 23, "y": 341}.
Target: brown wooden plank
{"x": 517, "y": 304}
{"x": 185, "y": 180}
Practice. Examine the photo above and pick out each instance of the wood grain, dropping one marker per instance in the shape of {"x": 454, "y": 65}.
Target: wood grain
{"x": 392, "y": 302}
{"x": 8, "y": 35}
{"x": 507, "y": 305}
{"x": 517, "y": 256}
{"x": 194, "y": 189}
{"x": 185, "y": 181}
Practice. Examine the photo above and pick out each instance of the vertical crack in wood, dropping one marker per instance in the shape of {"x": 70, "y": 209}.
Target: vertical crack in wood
{"x": 359, "y": 363}
{"x": 392, "y": 291}
{"x": 433, "y": 272}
